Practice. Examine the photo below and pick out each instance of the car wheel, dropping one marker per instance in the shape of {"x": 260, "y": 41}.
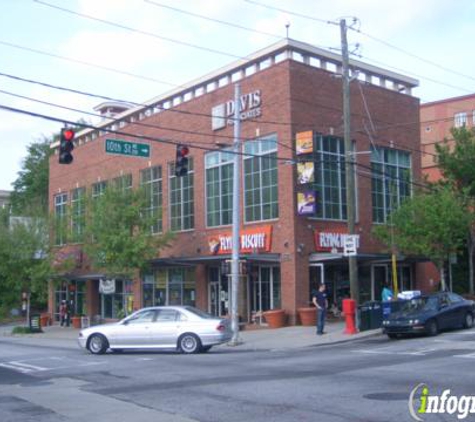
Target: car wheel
{"x": 97, "y": 344}
{"x": 189, "y": 343}
{"x": 468, "y": 321}
{"x": 205, "y": 349}
{"x": 431, "y": 328}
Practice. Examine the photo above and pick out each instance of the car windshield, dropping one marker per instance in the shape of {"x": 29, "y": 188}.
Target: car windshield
{"x": 199, "y": 312}
{"x": 427, "y": 303}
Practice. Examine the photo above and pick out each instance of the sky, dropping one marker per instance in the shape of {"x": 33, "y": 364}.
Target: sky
{"x": 135, "y": 50}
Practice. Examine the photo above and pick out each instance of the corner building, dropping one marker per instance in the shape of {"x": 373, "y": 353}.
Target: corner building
{"x": 293, "y": 198}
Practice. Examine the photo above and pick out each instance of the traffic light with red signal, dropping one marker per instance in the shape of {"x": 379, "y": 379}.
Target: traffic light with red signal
{"x": 66, "y": 146}
{"x": 181, "y": 162}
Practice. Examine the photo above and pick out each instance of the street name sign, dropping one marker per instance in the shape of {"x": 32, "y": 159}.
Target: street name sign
{"x": 134, "y": 149}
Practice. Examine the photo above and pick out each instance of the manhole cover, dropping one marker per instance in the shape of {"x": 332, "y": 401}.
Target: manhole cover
{"x": 387, "y": 396}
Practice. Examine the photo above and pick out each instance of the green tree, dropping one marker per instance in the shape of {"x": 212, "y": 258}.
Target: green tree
{"x": 456, "y": 160}
{"x": 432, "y": 224}
{"x": 118, "y": 237}
{"x": 30, "y": 189}
{"x": 24, "y": 260}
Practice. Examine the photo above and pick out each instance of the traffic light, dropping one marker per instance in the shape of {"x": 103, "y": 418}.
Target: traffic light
{"x": 181, "y": 162}
{"x": 66, "y": 146}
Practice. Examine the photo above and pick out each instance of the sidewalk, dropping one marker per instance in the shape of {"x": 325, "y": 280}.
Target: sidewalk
{"x": 293, "y": 337}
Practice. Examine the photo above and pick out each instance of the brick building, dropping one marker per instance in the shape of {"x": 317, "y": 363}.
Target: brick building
{"x": 291, "y": 98}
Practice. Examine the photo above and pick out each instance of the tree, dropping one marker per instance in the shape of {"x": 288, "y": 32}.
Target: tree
{"x": 24, "y": 260}
{"x": 30, "y": 189}
{"x": 432, "y": 224}
{"x": 457, "y": 167}
{"x": 118, "y": 237}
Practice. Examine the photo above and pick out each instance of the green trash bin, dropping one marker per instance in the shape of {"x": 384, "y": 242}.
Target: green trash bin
{"x": 364, "y": 312}
{"x": 35, "y": 325}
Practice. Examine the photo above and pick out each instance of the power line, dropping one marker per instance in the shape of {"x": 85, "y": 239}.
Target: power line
{"x": 97, "y": 66}
{"x": 139, "y": 31}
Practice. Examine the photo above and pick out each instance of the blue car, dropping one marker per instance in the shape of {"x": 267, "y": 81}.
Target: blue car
{"x": 430, "y": 314}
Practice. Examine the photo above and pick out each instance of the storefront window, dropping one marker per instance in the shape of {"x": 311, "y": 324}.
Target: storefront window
{"x": 173, "y": 286}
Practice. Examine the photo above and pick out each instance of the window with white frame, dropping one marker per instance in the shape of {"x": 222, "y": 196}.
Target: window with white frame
{"x": 390, "y": 181}
{"x": 330, "y": 177}
{"x": 181, "y": 202}
{"x": 60, "y": 218}
{"x": 460, "y": 119}
{"x": 151, "y": 182}
{"x": 172, "y": 286}
{"x": 78, "y": 214}
{"x": 219, "y": 187}
{"x": 261, "y": 200}
{"x": 98, "y": 189}
{"x": 123, "y": 182}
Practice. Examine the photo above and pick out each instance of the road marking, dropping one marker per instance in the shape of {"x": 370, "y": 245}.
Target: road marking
{"x": 22, "y": 367}
{"x": 468, "y": 356}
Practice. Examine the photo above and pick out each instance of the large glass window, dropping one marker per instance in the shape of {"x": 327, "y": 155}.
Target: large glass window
{"x": 123, "y": 182}
{"x": 391, "y": 180}
{"x": 98, "y": 189}
{"x": 78, "y": 214}
{"x": 173, "y": 286}
{"x": 151, "y": 181}
{"x": 330, "y": 178}
{"x": 260, "y": 179}
{"x": 60, "y": 218}
{"x": 181, "y": 199}
{"x": 219, "y": 188}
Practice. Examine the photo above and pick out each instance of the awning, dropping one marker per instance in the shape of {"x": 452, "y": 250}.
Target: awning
{"x": 213, "y": 259}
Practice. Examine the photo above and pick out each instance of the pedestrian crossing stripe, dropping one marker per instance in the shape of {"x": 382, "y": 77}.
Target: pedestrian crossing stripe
{"x": 22, "y": 367}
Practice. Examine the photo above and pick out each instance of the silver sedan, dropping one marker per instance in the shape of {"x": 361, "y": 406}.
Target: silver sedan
{"x": 183, "y": 328}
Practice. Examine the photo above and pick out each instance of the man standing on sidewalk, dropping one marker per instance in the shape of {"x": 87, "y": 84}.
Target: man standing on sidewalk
{"x": 320, "y": 300}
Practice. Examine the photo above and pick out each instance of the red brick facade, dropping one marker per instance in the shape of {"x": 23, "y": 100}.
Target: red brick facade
{"x": 295, "y": 97}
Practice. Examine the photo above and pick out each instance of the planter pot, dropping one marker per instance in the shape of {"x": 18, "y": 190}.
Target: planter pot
{"x": 45, "y": 320}
{"x": 76, "y": 321}
{"x": 308, "y": 316}
{"x": 275, "y": 318}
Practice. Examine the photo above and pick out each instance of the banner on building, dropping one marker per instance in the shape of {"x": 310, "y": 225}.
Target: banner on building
{"x": 258, "y": 239}
{"x": 304, "y": 142}
{"x": 306, "y": 203}
{"x": 305, "y": 173}
{"x": 106, "y": 287}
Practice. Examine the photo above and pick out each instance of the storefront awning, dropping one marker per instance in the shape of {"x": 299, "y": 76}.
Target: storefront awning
{"x": 213, "y": 259}
{"x": 337, "y": 258}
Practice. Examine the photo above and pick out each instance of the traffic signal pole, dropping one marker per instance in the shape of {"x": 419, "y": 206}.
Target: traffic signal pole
{"x": 349, "y": 161}
{"x": 236, "y": 219}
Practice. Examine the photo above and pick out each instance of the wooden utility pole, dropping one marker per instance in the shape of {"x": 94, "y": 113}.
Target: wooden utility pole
{"x": 349, "y": 160}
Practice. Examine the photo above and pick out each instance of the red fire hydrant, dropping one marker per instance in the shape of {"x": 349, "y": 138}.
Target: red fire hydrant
{"x": 349, "y": 309}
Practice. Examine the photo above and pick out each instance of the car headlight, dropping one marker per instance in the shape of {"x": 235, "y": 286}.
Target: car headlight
{"x": 413, "y": 321}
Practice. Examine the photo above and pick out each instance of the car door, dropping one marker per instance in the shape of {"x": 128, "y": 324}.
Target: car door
{"x": 447, "y": 312}
{"x": 134, "y": 331}
{"x": 165, "y": 329}
{"x": 459, "y": 309}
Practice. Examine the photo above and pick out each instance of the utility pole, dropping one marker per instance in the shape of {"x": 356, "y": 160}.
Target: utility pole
{"x": 236, "y": 219}
{"x": 349, "y": 160}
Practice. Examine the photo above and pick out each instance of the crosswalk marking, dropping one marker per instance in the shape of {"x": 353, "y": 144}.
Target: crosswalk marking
{"x": 22, "y": 367}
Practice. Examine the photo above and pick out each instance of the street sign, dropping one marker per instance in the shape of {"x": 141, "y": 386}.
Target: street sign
{"x": 134, "y": 149}
{"x": 349, "y": 247}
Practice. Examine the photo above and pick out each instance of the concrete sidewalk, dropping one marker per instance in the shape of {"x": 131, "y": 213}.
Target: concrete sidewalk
{"x": 293, "y": 337}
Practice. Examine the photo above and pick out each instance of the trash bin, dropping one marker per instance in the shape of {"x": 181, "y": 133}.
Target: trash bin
{"x": 35, "y": 326}
{"x": 364, "y": 312}
{"x": 376, "y": 315}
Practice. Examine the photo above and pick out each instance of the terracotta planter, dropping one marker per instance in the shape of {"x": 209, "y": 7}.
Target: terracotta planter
{"x": 76, "y": 321}
{"x": 275, "y": 318}
{"x": 308, "y": 316}
{"x": 44, "y": 320}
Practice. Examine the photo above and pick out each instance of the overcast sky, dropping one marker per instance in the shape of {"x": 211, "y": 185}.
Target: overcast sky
{"x": 154, "y": 46}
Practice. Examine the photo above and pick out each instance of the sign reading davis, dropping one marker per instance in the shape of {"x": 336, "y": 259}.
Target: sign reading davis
{"x": 134, "y": 149}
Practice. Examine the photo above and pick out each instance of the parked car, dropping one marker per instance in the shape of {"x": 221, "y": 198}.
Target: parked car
{"x": 183, "y": 328}
{"x": 430, "y": 314}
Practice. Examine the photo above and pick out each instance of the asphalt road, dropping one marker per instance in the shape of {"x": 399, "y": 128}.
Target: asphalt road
{"x": 366, "y": 380}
